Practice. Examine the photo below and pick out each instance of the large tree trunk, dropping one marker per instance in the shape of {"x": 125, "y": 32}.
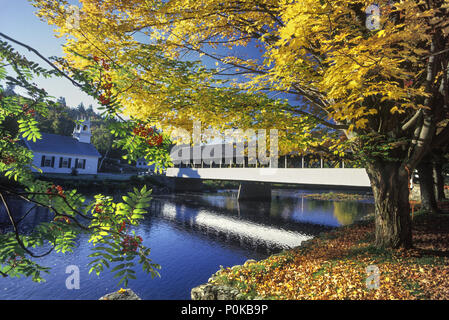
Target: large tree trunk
{"x": 426, "y": 185}
{"x": 392, "y": 208}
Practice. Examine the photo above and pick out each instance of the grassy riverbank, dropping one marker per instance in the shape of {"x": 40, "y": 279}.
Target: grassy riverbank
{"x": 333, "y": 266}
{"x": 103, "y": 183}
{"x": 338, "y": 196}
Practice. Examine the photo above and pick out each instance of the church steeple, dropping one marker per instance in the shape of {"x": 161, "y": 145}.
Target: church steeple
{"x": 81, "y": 132}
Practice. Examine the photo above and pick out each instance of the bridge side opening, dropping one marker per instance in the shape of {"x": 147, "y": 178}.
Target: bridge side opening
{"x": 254, "y": 191}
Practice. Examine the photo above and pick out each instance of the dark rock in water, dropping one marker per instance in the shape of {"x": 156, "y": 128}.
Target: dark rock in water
{"x": 210, "y": 291}
{"x": 122, "y": 294}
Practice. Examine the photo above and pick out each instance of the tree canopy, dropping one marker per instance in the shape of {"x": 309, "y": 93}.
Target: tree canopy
{"x": 376, "y": 73}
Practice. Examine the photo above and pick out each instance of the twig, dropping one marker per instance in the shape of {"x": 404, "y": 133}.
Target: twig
{"x": 16, "y": 232}
{"x": 62, "y": 73}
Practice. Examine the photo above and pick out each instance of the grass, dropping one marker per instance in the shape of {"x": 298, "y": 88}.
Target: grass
{"x": 93, "y": 185}
{"x": 337, "y": 196}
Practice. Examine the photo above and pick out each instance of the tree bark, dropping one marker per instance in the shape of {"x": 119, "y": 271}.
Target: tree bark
{"x": 438, "y": 179}
{"x": 427, "y": 188}
{"x": 389, "y": 181}
{"x": 102, "y": 160}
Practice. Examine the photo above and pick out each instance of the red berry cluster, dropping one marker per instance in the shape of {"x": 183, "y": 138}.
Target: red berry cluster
{"x": 122, "y": 227}
{"x": 103, "y": 62}
{"x": 104, "y": 100}
{"x": 55, "y": 190}
{"x": 98, "y": 207}
{"x": 28, "y": 111}
{"x": 152, "y": 138}
{"x": 155, "y": 140}
{"x": 408, "y": 83}
{"x": 130, "y": 243}
{"x": 16, "y": 260}
{"x": 7, "y": 159}
{"x": 64, "y": 219}
{"x": 142, "y": 131}
{"x": 105, "y": 97}
{"x": 9, "y": 139}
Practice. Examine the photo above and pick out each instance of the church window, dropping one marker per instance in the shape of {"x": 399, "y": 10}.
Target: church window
{"x": 47, "y": 161}
{"x": 80, "y": 163}
{"x": 64, "y": 162}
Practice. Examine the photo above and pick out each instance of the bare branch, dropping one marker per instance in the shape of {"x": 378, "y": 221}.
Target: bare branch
{"x": 16, "y": 232}
{"x": 410, "y": 123}
{"x": 62, "y": 73}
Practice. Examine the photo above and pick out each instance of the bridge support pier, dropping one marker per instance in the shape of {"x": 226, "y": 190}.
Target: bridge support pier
{"x": 254, "y": 191}
{"x": 181, "y": 184}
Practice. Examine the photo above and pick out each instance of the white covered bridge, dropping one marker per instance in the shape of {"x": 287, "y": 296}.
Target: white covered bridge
{"x": 256, "y": 182}
{"x": 349, "y": 177}
{"x": 256, "y": 178}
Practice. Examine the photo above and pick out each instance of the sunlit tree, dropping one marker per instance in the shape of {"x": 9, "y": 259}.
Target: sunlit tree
{"x": 376, "y": 73}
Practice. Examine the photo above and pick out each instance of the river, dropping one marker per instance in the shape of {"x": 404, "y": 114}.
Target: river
{"x": 191, "y": 236}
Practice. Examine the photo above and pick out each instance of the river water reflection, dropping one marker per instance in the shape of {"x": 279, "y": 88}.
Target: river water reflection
{"x": 191, "y": 235}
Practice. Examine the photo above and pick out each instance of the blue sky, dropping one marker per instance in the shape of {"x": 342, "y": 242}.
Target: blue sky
{"x": 17, "y": 20}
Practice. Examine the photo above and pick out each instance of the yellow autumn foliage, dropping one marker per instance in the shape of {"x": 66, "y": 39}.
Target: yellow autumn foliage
{"x": 320, "y": 51}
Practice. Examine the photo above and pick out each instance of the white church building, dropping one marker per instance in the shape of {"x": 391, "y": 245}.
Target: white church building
{"x": 60, "y": 154}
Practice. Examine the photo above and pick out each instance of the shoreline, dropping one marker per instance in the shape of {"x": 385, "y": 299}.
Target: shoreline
{"x": 332, "y": 266}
